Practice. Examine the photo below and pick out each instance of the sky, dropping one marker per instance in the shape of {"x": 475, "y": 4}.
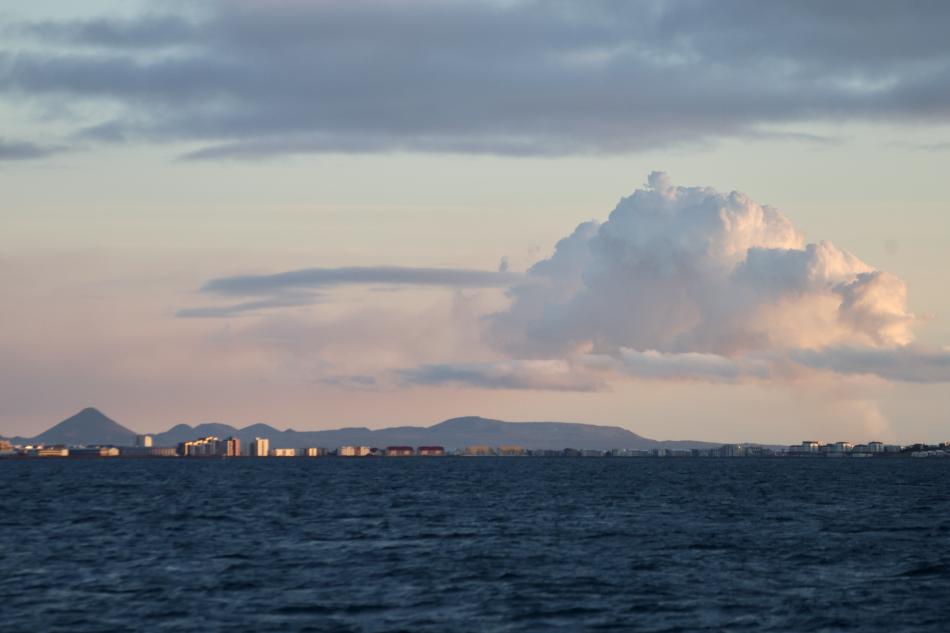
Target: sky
{"x": 720, "y": 221}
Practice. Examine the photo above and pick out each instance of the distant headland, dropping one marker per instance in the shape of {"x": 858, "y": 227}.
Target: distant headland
{"x": 92, "y": 433}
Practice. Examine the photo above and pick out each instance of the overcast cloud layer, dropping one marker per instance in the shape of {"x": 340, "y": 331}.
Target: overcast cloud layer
{"x": 249, "y": 79}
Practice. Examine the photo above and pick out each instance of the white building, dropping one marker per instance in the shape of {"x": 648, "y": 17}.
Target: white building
{"x": 143, "y": 441}
{"x": 260, "y": 447}
{"x": 353, "y": 451}
{"x": 283, "y": 452}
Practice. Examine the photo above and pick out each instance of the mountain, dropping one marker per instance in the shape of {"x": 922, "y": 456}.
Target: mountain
{"x": 452, "y": 434}
{"x": 89, "y": 426}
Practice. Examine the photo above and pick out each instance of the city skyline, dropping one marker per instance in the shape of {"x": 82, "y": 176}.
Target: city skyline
{"x": 202, "y": 222}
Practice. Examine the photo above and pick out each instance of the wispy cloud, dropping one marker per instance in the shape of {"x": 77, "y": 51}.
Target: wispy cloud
{"x": 654, "y": 365}
{"x": 18, "y": 150}
{"x": 247, "y": 307}
{"x": 388, "y": 275}
{"x": 911, "y": 363}
{"x": 541, "y": 375}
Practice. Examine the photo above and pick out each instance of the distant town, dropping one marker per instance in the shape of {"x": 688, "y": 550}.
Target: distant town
{"x": 92, "y": 434}
{"x": 232, "y": 447}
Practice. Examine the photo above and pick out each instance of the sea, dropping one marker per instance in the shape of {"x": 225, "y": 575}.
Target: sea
{"x": 475, "y": 544}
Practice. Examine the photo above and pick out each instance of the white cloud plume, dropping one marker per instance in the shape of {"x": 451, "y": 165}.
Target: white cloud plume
{"x": 691, "y": 270}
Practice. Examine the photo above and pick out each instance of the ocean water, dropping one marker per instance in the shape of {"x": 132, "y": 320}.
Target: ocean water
{"x": 478, "y": 544}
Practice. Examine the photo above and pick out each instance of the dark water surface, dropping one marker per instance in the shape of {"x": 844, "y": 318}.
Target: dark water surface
{"x": 479, "y": 544}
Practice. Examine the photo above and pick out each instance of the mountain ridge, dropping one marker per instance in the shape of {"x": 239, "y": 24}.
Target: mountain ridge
{"x": 90, "y": 426}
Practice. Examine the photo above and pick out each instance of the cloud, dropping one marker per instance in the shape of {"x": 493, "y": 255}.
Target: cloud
{"x": 13, "y": 150}
{"x": 654, "y": 365}
{"x": 247, "y": 79}
{"x": 905, "y": 364}
{"x": 144, "y": 32}
{"x": 679, "y": 283}
{"x": 389, "y": 275}
{"x": 248, "y": 307}
{"x": 355, "y": 382}
{"x": 691, "y": 270}
{"x": 549, "y": 375}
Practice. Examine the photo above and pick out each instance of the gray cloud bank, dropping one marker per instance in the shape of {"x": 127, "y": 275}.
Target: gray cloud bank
{"x": 246, "y": 79}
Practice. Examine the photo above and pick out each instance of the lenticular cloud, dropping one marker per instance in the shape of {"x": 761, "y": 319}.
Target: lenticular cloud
{"x": 691, "y": 270}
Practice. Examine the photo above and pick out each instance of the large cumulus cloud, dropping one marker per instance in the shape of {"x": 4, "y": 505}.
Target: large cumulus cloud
{"x": 692, "y": 270}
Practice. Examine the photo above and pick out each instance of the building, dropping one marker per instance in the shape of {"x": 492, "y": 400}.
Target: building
{"x": 731, "y": 450}
{"x": 94, "y": 451}
{"x": 430, "y": 451}
{"x": 399, "y": 451}
{"x": 628, "y": 452}
{"x": 478, "y": 450}
{"x": 511, "y": 451}
{"x": 209, "y": 446}
{"x": 811, "y": 447}
{"x": 283, "y": 452}
{"x": 876, "y": 447}
{"x": 152, "y": 451}
{"x": 544, "y": 452}
{"x": 52, "y": 451}
{"x": 260, "y": 447}
{"x": 143, "y": 441}
{"x": 353, "y": 451}
{"x": 839, "y": 448}
{"x": 232, "y": 447}
{"x": 313, "y": 451}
